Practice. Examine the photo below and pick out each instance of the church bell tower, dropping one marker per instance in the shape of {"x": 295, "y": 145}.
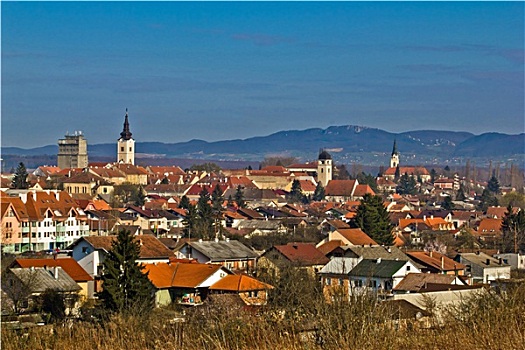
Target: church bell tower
{"x": 126, "y": 144}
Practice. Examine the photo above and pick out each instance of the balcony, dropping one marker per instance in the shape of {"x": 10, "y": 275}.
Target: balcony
{"x": 26, "y": 229}
{"x": 60, "y": 229}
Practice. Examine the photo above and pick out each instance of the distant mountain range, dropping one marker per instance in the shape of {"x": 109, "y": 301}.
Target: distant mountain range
{"x": 347, "y": 144}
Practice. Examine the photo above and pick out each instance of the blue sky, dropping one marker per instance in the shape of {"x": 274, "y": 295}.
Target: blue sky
{"x": 216, "y": 71}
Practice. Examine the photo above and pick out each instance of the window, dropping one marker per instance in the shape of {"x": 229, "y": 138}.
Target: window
{"x": 408, "y": 267}
{"x": 130, "y": 149}
{"x": 341, "y": 282}
{"x": 85, "y": 250}
{"x": 121, "y": 149}
{"x": 328, "y": 281}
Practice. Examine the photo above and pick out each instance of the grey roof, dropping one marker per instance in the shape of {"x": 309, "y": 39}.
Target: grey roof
{"x": 224, "y": 250}
{"x": 339, "y": 266}
{"x": 39, "y": 279}
{"x": 372, "y": 268}
{"x": 416, "y": 281}
{"x": 480, "y": 259}
{"x": 259, "y": 224}
{"x": 376, "y": 252}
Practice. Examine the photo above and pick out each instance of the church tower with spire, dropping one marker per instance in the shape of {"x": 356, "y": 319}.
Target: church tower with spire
{"x": 394, "y": 159}
{"x": 126, "y": 144}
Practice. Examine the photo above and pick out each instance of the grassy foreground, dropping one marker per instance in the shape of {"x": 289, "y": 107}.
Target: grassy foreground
{"x": 493, "y": 321}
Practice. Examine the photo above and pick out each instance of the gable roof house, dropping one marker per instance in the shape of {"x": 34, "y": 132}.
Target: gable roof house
{"x": 183, "y": 283}
{"x": 24, "y": 285}
{"x": 230, "y": 253}
{"x": 299, "y": 255}
{"x": 68, "y": 265}
{"x": 90, "y": 253}
{"x": 435, "y": 262}
{"x": 425, "y": 282}
{"x": 250, "y": 290}
{"x": 349, "y": 236}
{"x": 379, "y": 275}
{"x": 483, "y": 268}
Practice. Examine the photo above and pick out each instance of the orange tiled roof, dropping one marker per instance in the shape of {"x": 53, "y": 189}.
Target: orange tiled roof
{"x": 182, "y": 275}
{"x": 69, "y": 265}
{"x": 410, "y": 170}
{"x": 150, "y": 247}
{"x": 361, "y": 190}
{"x": 356, "y": 236}
{"x": 240, "y": 283}
{"x": 490, "y": 225}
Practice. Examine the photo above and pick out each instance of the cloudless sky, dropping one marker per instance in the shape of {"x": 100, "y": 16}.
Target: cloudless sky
{"x": 229, "y": 70}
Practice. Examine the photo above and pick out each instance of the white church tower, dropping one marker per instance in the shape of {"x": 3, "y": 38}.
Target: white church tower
{"x": 394, "y": 159}
{"x": 126, "y": 145}
{"x": 324, "y": 168}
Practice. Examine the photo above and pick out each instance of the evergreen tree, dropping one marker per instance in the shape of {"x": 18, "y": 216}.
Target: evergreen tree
{"x": 433, "y": 175}
{"x": 296, "y": 194}
{"x": 513, "y": 228}
{"x": 319, "y": 192}
{"x": 460, "y": 196}
{"x": 190, "y": 222}
{"x": 20, "y": 177}
{"x": 406, "y": 185}
{"x": 488, "y": 199}
{"x": 373, "y": 218}
{"x": 239, "y": 197}
{"x": 230, "y": 201}
{"x": 397, "y": 174}
{"x": 205, "y": 214}
{"x": 126, "y": 289}
{"x": 447, "y": 203}
{"x": 184, "y": 203}
{"x": 217, "y": 200}
{"x": 165, "y": 181}
{"x": 493, "y": 185}
{"x": 138, "y": 196}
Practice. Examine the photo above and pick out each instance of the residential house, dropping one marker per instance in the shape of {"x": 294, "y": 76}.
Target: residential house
{"x": 379, "y": 275}
{"x": 91, "y": 252}
{"x": 68, "y": 265}
{"x": 426, "y": 282}
{"x": 15, "y": 223}
{"x": 250, "y": 290}
{"x": 484, "y": 268}
{"x": 24, "y": 286}
{"x": 183, "y": 283}
{"x": 349, "y": 236}
{"x": 230, "y": 253}
{"x": 134, "y": 174}
{"x": 302, "y": 255}
{"x": 515, "y": 260}
{"x": 434, "y": 262}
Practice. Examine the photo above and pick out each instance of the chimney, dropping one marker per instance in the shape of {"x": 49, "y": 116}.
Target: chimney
{"x": 430, "y": 254}
{"x": 378, "y": 261}
{"x": 55, "y": 272}
{"x": 500, "y": 261}
{"x": 442, "y": 263}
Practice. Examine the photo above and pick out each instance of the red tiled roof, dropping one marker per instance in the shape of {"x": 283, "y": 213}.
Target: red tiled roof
{"x": 410, "y": 170}
{"x": 433, "y": 259}
{"x": 69, "y": 265}
{"x": 340, "y": 188}
{"x": 304, "y": 254}
{"x": 329, "y": 246}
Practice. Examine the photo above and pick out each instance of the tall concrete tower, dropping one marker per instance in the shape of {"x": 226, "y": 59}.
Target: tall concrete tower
{"x": 394, "y": 159}
{"x": 324, "y": 168}
{"x": 126, "y": 144}
{"x": 72, "y": 151}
